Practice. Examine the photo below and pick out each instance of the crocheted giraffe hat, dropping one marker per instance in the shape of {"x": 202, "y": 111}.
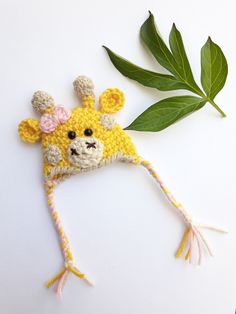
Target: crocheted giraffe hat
{"x": 82, "y": 139}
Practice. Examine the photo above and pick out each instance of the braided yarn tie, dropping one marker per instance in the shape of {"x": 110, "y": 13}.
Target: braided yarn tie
{"x": 192, "y": 230}
{"x": 62, "y": 275}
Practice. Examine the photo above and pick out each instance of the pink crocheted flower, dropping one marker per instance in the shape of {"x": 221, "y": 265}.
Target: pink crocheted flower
{"x": 49, "y": 122}
{"x": 62, "y": 114}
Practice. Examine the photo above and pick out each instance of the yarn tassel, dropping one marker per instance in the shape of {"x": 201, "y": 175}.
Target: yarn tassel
{"x": 192, "y": 231}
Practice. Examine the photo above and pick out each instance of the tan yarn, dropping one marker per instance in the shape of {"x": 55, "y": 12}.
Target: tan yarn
{"x": 84, "y": 86}
{"x": 52, "y": 155}
{"x": 42, "y": 101}
{"x": 108, "y": 121}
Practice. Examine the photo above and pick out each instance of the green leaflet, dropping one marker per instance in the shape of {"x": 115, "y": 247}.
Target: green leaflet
{"x": 178, "y": 51}
{"x": 174, "y": 59}
{"x": 166, "y": 112}
{"x": 148, "y": 78}
{"x": 214, "y": 68}
{"x": 156, "y": 45}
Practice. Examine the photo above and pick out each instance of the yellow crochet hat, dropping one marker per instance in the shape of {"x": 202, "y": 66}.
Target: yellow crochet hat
{"x": 82, "y": 139}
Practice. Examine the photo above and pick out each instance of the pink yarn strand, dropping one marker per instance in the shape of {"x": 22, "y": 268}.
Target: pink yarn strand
{"x": 199, "y": 250}
{"x": 203, "y": 240}
{"x": 191, "y": 246}
{"x": 61, "y": 283}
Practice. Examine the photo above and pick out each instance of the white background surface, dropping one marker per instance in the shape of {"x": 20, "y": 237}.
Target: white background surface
{"x": 122, "y": 230}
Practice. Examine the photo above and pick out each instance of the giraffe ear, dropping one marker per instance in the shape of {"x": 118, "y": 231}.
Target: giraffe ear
{"x": 29, "y": 131}
{"x": 111, "y": 100}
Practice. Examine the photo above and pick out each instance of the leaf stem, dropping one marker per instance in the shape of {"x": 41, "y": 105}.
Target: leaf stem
{"x": 211, "y": 101}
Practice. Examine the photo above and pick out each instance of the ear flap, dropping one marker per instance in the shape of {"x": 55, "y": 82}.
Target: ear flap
{"x": 111, "y": 100}
{"x": 29, "y": 131}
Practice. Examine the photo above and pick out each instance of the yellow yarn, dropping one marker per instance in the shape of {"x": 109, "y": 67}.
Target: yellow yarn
{"x": 112, "y": 100}
{"x": 55, "y": 278}
{"x": 88, "y": 102}
{"x": 183, "y": 243}
{"x": 29, "y": 131}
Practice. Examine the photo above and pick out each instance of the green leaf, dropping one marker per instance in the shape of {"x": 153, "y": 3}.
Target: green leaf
{"x": 214, "y": 68}
{"x": 179, "y": 53}
{"x": 165, "y": 112}
{"x": 172, "y": 62}
{"x": 156, "y": 45}
{"x": 175, "y": 60}
{"x": 148, "y": 78}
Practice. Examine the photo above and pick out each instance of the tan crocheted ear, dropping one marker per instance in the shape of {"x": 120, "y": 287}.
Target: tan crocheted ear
{"x": 84, "y": 89}
{"x": 111, "y": 100}
{"x": 29, "y": 131}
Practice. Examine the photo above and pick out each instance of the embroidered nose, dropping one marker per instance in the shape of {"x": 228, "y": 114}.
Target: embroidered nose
{"x": 89, "y": 145}
{"x": 74, "y": 151}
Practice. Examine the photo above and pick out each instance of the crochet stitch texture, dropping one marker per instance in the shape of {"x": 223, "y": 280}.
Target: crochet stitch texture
{"x": 82, "y": 139}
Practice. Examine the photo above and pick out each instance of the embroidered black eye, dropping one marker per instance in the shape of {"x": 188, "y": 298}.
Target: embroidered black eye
{"x": 88, "y": 132}
{"x": 71, "y": 135}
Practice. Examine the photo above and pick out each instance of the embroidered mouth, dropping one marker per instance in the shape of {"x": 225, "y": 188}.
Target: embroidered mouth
{"x": 74, "y": 152}
{"x": 91, "y": 145}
